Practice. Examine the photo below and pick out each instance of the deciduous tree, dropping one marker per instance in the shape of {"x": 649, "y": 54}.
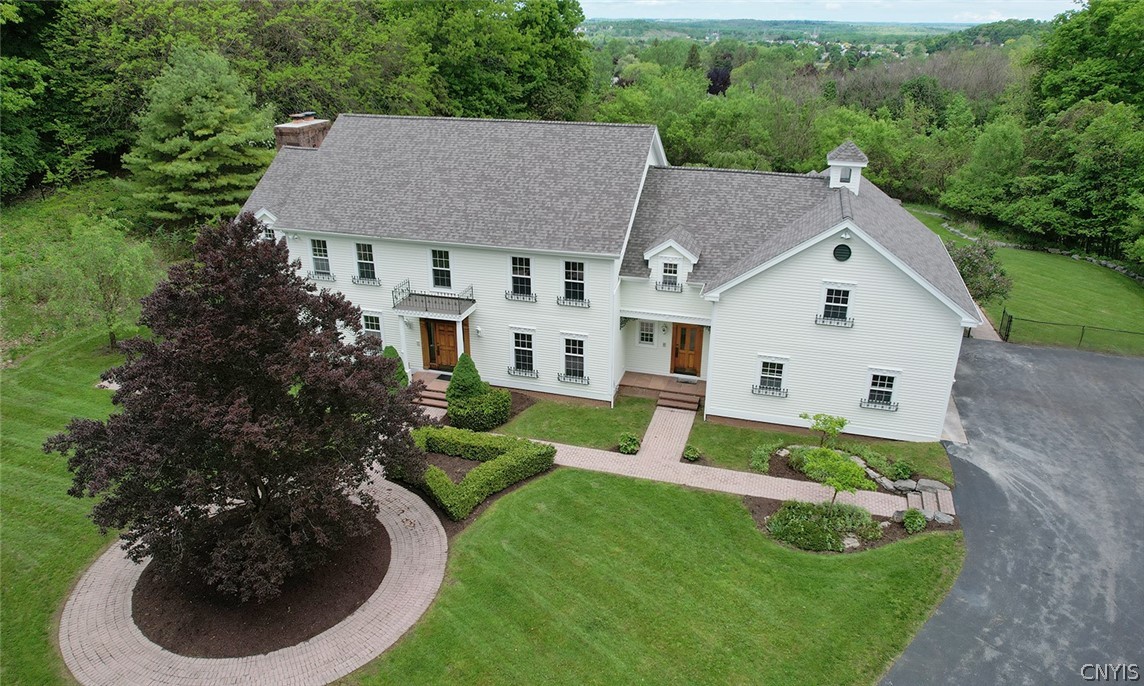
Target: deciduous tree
{"x": 247, "y": 423}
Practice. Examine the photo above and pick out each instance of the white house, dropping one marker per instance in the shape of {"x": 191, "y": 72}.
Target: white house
{"x": 562, "y": 255}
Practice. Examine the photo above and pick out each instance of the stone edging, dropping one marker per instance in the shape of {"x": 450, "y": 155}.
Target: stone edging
{"x": 101, "y": 644}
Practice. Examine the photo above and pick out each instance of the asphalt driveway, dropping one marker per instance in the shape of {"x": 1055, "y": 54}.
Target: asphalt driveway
{"x": 1050, "y": 492}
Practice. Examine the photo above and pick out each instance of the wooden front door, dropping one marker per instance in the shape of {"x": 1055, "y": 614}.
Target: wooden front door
{"x": 687, "y": 349}
{"x": 439, "y": 344}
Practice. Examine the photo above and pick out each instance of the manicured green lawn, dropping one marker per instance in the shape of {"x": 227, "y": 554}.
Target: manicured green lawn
{"x": 592, "y": 427}
{"x": 47, "y": 538}
{"x": 731, "y": 446}
{"x": 583, "y": 577}
{"x": 934, "y": 223}
{"x": 1055, "y": 288}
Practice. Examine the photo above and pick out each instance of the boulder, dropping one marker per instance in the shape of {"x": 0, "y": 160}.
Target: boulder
{"x": 885, "y": 483}
{"x": 929, "y": 514}
{"x": 783, "y": 453}
{"x": 851, "y": 542}
{"x": 905, "y": 485}
{"x": 883, "y": 525}
{"x": 872, "y": 474}
{"x": 931, "y": 485}
{"x": 943, "y": 518}
{"x": 859, "y": 461}
{"x": 899, "y": 516}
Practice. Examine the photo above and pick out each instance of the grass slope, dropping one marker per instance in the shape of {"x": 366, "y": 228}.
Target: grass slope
{"x": 47, "y": 537}
{"x": 589, "y": 426}
{"x": 588, "y": 578}
{"x": 731, "y": 446}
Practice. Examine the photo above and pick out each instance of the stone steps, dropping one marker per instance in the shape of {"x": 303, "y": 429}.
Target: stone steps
{"x": 433, "y": 397}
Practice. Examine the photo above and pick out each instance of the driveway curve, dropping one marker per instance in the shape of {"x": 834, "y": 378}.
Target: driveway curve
{"x": 1050, "y": 491}
{"x": 101, "y": 644}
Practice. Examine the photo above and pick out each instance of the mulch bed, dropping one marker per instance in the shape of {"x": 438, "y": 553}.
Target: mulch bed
{"x": 779, "y": 467}
{"x": 187, "y": 617}
{"x": 762, "y": 508}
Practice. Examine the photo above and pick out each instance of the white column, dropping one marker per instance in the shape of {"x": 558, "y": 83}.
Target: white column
{"x": 460, "y": 339}
{"x": 401, "y": 337}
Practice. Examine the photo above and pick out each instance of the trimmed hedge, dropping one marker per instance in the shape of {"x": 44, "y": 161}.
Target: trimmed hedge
{"x": 505, "y": 460}
{"x": 481, "y": 412}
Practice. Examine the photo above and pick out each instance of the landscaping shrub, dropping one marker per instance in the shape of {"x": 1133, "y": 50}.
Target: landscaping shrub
{"x": 834, "y": 469}
{"x": 819, "y": 527}
{"x": 898, "y": 469}
{"x": 399, "y": 375}
{"x": 504, "y": 462}
{"x": 690, "y": 453}
{"x": 466, "y": 381}
{"x": 761, "y": 456}
{"x": 828, "y": 425}
{"x": 914, "y": 520}
{"x": 629, "y": 443}
{"x": 481, "y": 412}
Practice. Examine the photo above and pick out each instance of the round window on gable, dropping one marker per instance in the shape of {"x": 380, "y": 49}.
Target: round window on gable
{"x": 842, "y": 252}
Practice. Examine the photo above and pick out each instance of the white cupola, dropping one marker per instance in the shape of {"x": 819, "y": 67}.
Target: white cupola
{"x": 846, "y": 164}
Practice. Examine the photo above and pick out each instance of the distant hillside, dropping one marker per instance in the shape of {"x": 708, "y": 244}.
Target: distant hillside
{"x": 994, "y": 33}
{"x": 759, "y": 30}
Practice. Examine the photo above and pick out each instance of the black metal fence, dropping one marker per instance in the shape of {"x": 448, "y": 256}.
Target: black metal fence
{"x": 1080, "y": 336}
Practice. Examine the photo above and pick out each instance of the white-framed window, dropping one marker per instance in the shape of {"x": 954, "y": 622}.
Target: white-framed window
{"x": 320, "y": 255}
{"x": 647, "y": 333}
{"x": 371, "y": 326}
{"x": 844, "y": 176}
{"x": 670, "y": 273}
{"x": 574, "y": 357}
{"x": 522, "y": 355}
{"x": 880, "y": 395}
{"x": 836, "y": 301}
{"x": 365, "y": 266}
{"x": 522, "y": 275}
{"x": 442, "y": 272}
{"x": 574, "y": 289}
{"x": 772, "y": 371}
{"x": 267, "y": 233}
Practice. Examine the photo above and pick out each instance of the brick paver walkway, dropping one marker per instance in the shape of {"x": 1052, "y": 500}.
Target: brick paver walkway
{"x": 658, "y": 460}
{"x": 101, "y": 644}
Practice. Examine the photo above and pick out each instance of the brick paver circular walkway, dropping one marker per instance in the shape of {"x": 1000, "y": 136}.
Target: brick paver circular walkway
{"x": 102, "y": 645}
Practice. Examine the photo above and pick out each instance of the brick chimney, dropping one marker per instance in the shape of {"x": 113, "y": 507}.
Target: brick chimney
{"x": 302, "y": 131}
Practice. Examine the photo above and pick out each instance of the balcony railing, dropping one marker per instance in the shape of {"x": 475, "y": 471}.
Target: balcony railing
{"x": 672, "y": 286}
{"x": 523, "y": 297}
{"x": 878, "y": 405}
{"x": 572, "y": 378}
{"x": 573, "y": 302}
{"x": 767, "y": 390}
{"x": 434, "y": 302}
{"x": 517, "y": 371}
{"x": 833, "y": 321}
{"x": 320, "y": 276}
{"x": 364, "y": 281}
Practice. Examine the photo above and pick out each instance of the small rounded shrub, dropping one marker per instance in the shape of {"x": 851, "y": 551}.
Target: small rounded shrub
{"x": 914, "y": 520}
{"x": 466, "y": 381}
{"x": 629, "y": 443}
{"x": 691, "y": 453}
{"x": 761, "y": 457}
{"x": 900, "y": 470}
{"x": 482, "y": 412}
{"x": 834, "y": 469}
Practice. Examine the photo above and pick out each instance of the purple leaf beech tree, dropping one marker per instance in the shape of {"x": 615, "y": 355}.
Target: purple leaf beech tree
{"x": 248, "y": 423}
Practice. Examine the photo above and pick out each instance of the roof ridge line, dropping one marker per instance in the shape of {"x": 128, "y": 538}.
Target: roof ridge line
{"x": 808, "y": 175}
{"x": 362, "y": 115}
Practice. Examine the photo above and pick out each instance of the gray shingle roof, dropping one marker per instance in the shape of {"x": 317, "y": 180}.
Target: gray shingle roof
{"x": 684, "y": 238}
{"x": 727, "y": 211}
{"x": 847, "y": 152}
{"x": 744, "y": 219}
{"x": 507, "y": 183}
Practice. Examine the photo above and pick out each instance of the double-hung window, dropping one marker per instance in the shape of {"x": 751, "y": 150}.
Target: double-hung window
{"x": 670, "y": 278}
{"x": 881, "y": 393}
{"x": 267, "y": 233}
{"x": 371, "y": 326}
{"x": 442, "y": 273}
{"x": 771, "y": 378}
{"x": 647, "y": 333}
{"x": 320, "y": 254}
{"x": 366, "y": 270}
{"x": 522, "y": 355}
{"x": 574, "y": 289}
{"x": 836, "y": 308}
{"x": 573, "y": 362}
{"x": 521, "y": 280}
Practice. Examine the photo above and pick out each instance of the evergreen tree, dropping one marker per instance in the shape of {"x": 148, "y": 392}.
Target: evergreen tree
{"x": 694, "y": 60}
{"x": 202, "y": 145}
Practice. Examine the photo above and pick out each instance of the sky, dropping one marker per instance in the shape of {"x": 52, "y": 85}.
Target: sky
{"x": 898, "y": 11}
